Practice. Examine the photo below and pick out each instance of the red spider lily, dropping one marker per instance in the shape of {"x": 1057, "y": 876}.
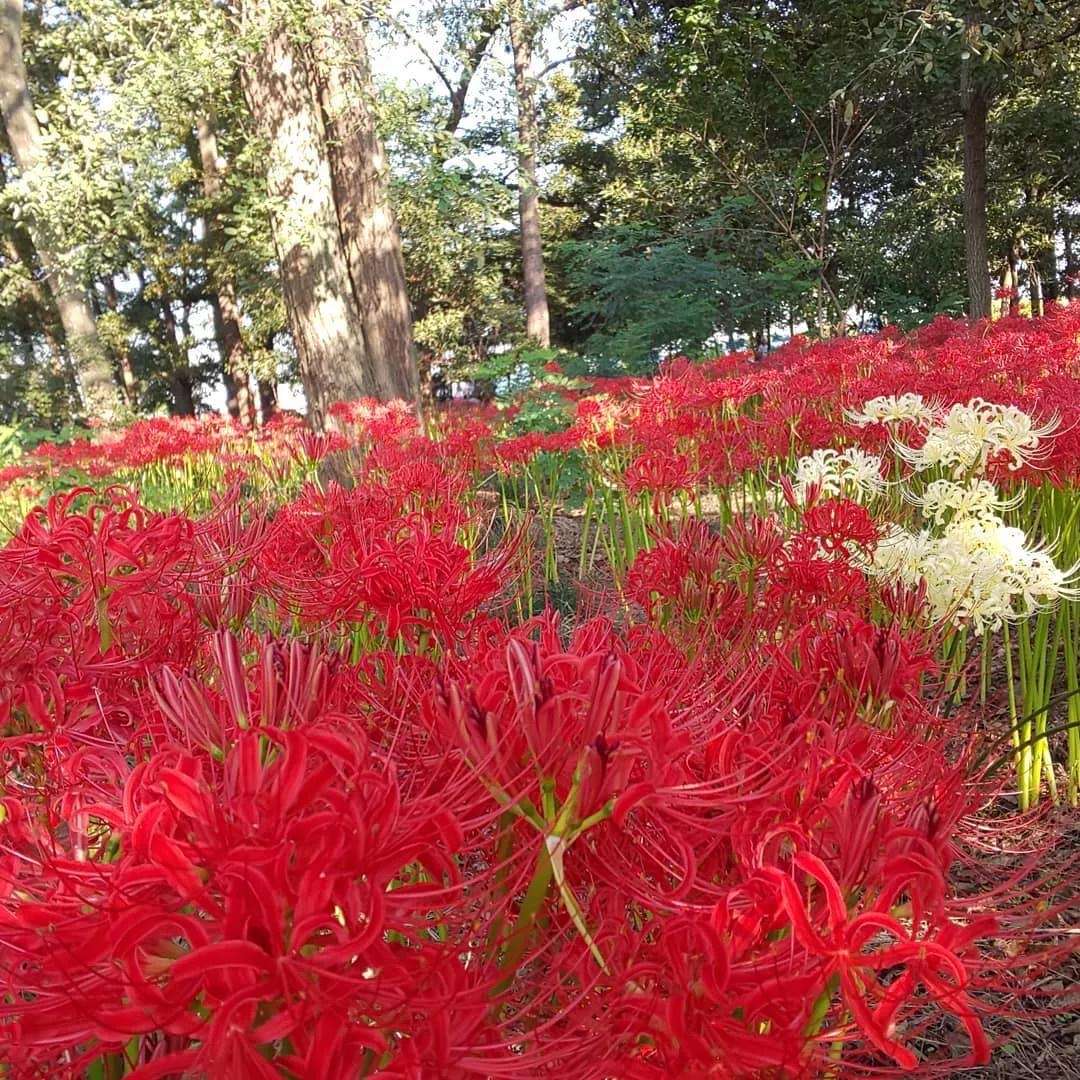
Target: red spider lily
{"x": 681, "y": 569}
{"x": 539, "y": 722}
{"x": 342, "y": 559}
{"x": 808, "y": 577}
{"x": 264, "y": 893}
{"x": 143, "y": 443}
{"x": 841, "y": 527}
{"x": 89, "y": 600}
{"x": 659, "y": 474}
{"x": 312, "y": 447}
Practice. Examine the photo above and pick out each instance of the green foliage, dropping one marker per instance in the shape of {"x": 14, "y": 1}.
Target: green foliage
{"x": 33, "y": 391}
{"x": 710, "y": 171}
{"x": 646, "y": 295}
{"x": 542, "y": 412}
{"x": 11, "y": 445}
{"x": 458, "y": 255}
{"x": 119, "y": 89}
{"x": 512, "y": 370}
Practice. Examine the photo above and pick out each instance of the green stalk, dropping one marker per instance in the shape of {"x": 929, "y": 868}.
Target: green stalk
{"x": 1014, "y": 731}
{"x": 586, "y": 521}
{"x": 1072, "y": 688}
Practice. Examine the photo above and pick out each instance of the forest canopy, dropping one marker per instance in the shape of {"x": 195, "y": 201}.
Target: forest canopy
{"x": 461, "y": 186}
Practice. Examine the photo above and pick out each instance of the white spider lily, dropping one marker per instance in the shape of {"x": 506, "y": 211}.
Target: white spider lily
{"x": 964, "y": 437}
{"x": 949, "y": 500}
{"x": 852, "y": 473}
{"x": 894, "y": 409}
{"x": 979, "y": 570}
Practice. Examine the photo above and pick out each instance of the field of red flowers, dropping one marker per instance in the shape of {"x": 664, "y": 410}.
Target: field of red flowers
{"x": 727, "y": 726}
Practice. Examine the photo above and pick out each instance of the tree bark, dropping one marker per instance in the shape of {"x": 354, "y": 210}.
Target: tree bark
{"x": 975, "y": 104}
{"x": 226, "y": 307}
{"x": 324, "y": 317}
{"x": 537, "y": 318}
{"x": 100, "y": 394}
{"x": 183, "y": 396}
{"x": 234, "y": 376}
{"x": 358, "y": 169}
{"x": 1038, "y": 306}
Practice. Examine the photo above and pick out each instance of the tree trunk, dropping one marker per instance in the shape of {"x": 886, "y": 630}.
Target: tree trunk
{"x": 100, "y": 394}
{"x": 226, "y": 308}
{"x": 182, "y": 393}
{"x": 234, "y": 376}
{"x": 232, "y": 405}
{"x": 427, "y": 387}
{"x": 267, "y": 400}
{"x": 1010, "y": 278}
{"x": 180, "y": 383}
{"x": 537, "y": 319}
{"x": 1046, "y": 264}
{"x": 324, "y": 317}
{"x": 975, "y": 103}
{"x": 1072, "y": 264}
{"x": 358, "y": 170}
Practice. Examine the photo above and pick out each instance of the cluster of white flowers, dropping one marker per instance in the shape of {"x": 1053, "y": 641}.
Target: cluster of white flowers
{"x": 963, "y": 438}
{"x": 894, "y": 409}
{"x": 852, "y": 473}
{"x": 945, "y": 500}
{"x": 979, "y": 570}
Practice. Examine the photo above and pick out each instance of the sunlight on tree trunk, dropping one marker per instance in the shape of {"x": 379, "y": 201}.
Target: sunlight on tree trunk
{"x": 358, "y": 169}
{"x": 323, "y": 314}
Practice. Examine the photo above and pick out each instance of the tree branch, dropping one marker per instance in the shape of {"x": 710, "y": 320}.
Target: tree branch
{"x": 489, "y": 23}
{"x": 553, "y": 65}
{"x": 421, "y": 48}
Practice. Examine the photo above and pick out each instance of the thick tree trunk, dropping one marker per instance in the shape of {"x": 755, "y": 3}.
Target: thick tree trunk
{"x": 232, "y": 405}
{"x": 537, "y": 319}
{"x": 324, "y": 317}
{"x": 975, "y": 103}
{"x": 101, "y": 395}
{"x": 369, "y": 231}
{"x": 183, "y": 396}
{"x": 226, "y": 307}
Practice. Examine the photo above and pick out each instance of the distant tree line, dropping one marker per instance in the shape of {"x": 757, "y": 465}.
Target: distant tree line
{"x": 194, "y": 194}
